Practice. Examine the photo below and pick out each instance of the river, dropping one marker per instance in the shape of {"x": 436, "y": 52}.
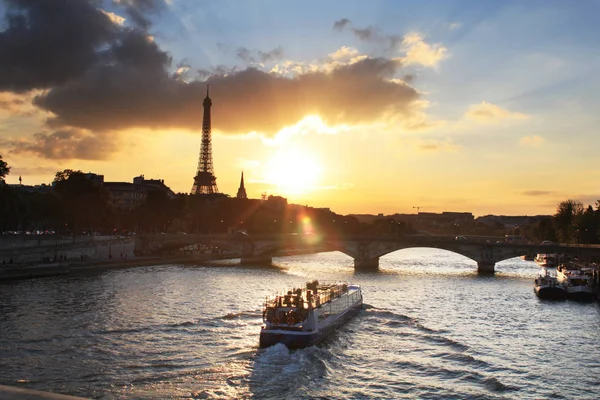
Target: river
{"x": 431, "y": 328}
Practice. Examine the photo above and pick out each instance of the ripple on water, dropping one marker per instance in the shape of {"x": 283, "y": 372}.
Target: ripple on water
{"x": 430, "y": 328}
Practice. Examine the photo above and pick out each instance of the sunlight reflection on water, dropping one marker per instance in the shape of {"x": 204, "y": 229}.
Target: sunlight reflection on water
{"x": 431, "y": 327}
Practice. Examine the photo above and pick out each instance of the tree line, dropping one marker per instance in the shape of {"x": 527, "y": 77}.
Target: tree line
{"x": 74, "y": 204}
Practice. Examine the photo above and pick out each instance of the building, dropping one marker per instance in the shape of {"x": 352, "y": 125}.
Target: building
{"x": 123, "y": 196}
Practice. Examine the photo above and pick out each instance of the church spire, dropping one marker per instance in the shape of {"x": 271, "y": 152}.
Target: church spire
{"x": 241, "y": 194}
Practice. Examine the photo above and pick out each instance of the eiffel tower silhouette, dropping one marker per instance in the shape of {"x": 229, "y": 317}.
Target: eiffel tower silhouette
{"x": 205, "y": 181}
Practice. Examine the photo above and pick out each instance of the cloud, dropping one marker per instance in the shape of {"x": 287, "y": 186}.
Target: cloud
{"x": 64, "y": 144}
{"x": 345, "y": 54}
{"x": 419, "y": 52}
{"x": 116, "y": 78}
{"x": 252, "y": 57}
{"x": 121, "y": 96}
{"x": 454, "y": 25}
{"x": 309, "y": 124}
{"x": 536, "y": 193}
{"x": 12, "y": 102}
{"x": 488, "y": 112}
{"x": 365, "y": 34}
{"x": 139, "y": 10}
{"x": 47, "y": 43}
{"x": 16, "y": 104}
{"x": 115, "y": 19}
{"x": 368, "y": 34}
{"x": 341, "y": 24}
{"x": 414, "y": 47}
{"x": 531, "y": 141}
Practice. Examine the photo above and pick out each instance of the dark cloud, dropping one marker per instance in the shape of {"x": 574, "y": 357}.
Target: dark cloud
{"x": 364, "y": 34}
{"x": 121, "y": 96}
{"x": 245, "y": 55}
{"x": 251, "y": 57}
{"x": 65, "y": 144}
{"x": 120, "y": 78}
{"x": 273, "y": 55}
{"x": 341, "y": 24}
{"x": 48, "y": 42}
{"x": 368, "y": 34}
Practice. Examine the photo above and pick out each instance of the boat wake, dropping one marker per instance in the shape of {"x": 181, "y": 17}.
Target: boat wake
{"x": 242, "y": 315}
{"x": 421, "y": 350}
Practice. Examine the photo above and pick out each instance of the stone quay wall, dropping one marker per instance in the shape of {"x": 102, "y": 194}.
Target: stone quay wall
{"x": 51, "y": 248}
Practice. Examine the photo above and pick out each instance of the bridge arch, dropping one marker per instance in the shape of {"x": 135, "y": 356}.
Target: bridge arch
{"x": 366, "y": 253}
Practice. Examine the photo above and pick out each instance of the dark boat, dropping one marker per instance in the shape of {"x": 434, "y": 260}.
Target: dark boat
{"x": 548, "y": 287}
{"x": 304, "y": 316}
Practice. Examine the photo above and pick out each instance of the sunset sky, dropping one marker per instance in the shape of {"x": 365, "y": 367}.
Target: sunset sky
{"x": 490, "y": 107}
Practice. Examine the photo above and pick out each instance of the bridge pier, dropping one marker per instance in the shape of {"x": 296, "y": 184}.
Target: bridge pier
{"x": 256, "y": 260}
{"x": 485, "y": 267}
{"x": 366, "y": 264}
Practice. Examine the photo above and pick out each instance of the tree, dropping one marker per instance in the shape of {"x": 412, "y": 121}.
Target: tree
{"x": 565, "y": 219}
{"x": 4, "y": 169}
{"x": 62, "y": 176}
{"x": 587, "y": 226}
{"x": 84, "y": 203}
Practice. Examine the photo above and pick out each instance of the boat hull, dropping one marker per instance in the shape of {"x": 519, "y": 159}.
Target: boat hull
{"x": 300, "y": 339}
{"x": 552, "y": 293}
{"x": 581, "y": 293}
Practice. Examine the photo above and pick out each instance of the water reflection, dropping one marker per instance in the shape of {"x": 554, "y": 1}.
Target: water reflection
{"x": 431, "y": 327}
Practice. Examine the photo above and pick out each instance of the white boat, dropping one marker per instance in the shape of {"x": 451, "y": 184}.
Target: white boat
{"x": 579, "y": 282}
{"x": 303, "y": 316}
{"x": 547, "y": 286}
{"x": 545, "y": 260}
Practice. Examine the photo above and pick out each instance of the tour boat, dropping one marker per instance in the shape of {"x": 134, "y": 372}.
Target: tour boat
{"x": 303, "y": 316}
{"x": 579, "y": 282}
{"x": 547, "y": 286}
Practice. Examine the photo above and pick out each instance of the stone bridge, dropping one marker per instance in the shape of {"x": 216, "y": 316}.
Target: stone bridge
{"x": 366, "y": 251}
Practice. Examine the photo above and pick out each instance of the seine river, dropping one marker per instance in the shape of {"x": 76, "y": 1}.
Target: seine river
{"x": 431, "y": 328}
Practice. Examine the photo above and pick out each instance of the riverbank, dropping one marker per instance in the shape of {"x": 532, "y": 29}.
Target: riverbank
{"x": 16, "y": 393}
{"x": 73, "y": 267}
{"x": 28, "y": 271}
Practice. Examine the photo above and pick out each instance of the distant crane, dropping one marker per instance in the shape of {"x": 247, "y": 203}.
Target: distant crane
{"x": 418, "y": 208}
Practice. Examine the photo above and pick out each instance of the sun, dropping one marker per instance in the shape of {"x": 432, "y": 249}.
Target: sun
{"x": 293, "y": 171}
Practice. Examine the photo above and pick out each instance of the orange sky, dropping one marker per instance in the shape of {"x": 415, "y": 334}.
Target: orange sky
{"x": 356, "y": 113}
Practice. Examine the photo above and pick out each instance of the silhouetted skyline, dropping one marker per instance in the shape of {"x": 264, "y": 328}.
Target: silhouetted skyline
{"x": 363, "y": 107}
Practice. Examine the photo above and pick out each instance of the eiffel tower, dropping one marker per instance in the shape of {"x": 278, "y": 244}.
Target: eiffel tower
{"x": 205, "y": 181}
